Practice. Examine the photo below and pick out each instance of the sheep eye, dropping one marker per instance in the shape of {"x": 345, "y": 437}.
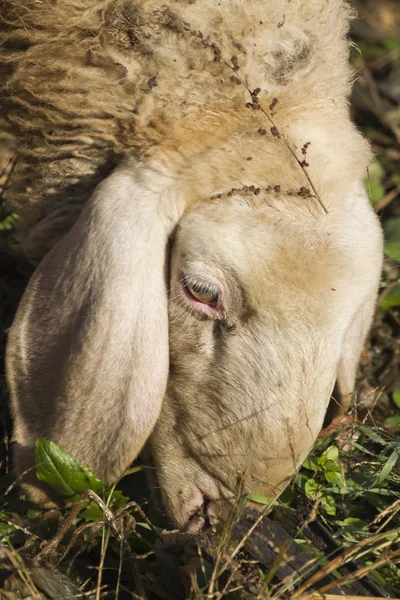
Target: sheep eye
{"x": 202, "y": 292}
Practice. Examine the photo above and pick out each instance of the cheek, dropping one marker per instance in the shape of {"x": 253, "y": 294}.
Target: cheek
{"x": 190, "y": 340}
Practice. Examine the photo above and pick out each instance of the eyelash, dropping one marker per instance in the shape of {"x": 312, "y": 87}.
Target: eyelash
{"x": 190, "y": 284}
{"x": 200, "y": 287}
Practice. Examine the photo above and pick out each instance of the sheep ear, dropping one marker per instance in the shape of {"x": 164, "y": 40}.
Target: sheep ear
{"x": 349, "y": 359}
{"x": 87, "y": 357}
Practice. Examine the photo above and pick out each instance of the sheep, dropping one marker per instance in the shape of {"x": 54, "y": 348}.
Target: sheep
{"x": 190, "y": 177}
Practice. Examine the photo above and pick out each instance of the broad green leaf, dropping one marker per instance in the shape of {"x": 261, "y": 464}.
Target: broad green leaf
{"x": 93, "y": 512}
{"x": 393, "y": 421}
{"x": 334, "y": 477}
{"x": 354, "y": 522}
{"x": 330, "y": 465}
{"x": 391, "y": 299}
{"x": 59, "y": 469}
{"x": 396, "y": 398}
{"x": 312, "y": 488}
{"x": 118, "y": 500}
{"x": 287, "y": 496}
{"x": 332, "y": 453}
{"x": 311, "y": 463}
{"x": 328, "y": 504}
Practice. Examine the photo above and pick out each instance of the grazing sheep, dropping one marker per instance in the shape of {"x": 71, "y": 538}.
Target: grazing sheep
{"x": 210, "y": 293}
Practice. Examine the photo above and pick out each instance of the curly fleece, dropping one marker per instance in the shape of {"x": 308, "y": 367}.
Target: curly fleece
{"x": 85, "y": 82}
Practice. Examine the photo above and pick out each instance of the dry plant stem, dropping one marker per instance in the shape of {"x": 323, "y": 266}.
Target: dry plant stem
{"x": 19, "y": 566}
{"x": 360, "y": 573}
{"x": 136, "y": 506}
{"x": 121, "y": 548}
{"x": 202, "y": 563}
{"x": 215, "y": 573}
{"x": 95, "y": 527}
{"x": 319, "y": 596}
{"x": 280, "y": 135}
{"x": 11, "y": 164}
{"x": 393, "y": 508}
{"x": 89, "y": 593}
{"x": 88, "y": 494}
{"x": 386, "y": 200}
{"x": 52, "y": 545}
{"x": 224, "y": 539}
{"x": 272, "y": 570}
{"x": 377, "y": 548}
{"x": 341, "y": 560}
{"x": 8, "y": 165}
{"x": 231, "y": 577}
{"x": 102, "y": 559}
{"x": 26, "y": 531}
{"x": 244, "y": 539}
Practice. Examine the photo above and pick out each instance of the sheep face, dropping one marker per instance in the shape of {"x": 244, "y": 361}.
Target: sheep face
{"x": 259, "y": 312}
{"x": 225, "y": 351}
{"x": 229, "y": 368}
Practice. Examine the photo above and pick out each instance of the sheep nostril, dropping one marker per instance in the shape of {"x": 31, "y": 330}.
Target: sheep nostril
{"x": 197, "y": 513}
{"x": 203, "y": 517}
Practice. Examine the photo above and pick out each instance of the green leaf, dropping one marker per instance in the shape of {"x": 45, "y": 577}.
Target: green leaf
{"x": 332, "y": 453}
{"x": 93, "y": 512}
{"x": 311, "y": 463}
{"x": 390, "y": 463}
{"x": 362, "y": 449}
{"x": 287, "y": 496}
{"x": 312, "y": 488}
{"x": 391, "y": 299}
{"x": 372, "y": 435}
{"x": 392, "y": 250}
{"x": 354, "y": 522}
{"x": 260, "y": 499}
{"x": 328, "y": 504}
{"x": 374, "y": 183}
{"x": 59, "y": 469}
{"x": 8, "y": 223}
{"x": 396, "y": 398}
{"x": 393, "y": 421}
{"x": 118, "y": 500}
{"x": 10, "y": 534}
{"x": 334, "y": 477}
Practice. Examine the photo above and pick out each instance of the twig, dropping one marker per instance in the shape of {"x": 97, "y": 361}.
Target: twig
{"x": 255, "y": 104}
{"x": 319, "y": 596}
{"x": 341, "y": 560}
{"x": 386, "y": 200}
{"x": 360, "y": 573}
{"x": 234, "y": 67}
{"x": 136, "y": 506}
{"x": 102, "y": 559}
